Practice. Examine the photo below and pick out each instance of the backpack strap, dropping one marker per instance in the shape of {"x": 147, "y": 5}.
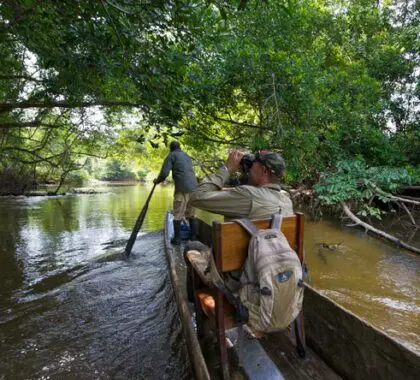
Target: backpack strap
{"x": 250, "y": 227}
{"x": 241, "y": 311}
{"x": 276, "y": 220}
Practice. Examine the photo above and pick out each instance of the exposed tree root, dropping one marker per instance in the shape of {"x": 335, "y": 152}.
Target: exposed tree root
{"x": 408, "y": 213}
{"x": 383, "y": 234}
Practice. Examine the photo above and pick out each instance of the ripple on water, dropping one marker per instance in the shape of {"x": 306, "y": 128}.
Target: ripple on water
{"x": 115, "y": 319}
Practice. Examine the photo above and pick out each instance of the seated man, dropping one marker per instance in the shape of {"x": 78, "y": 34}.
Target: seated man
{"x": 260, "y": 198}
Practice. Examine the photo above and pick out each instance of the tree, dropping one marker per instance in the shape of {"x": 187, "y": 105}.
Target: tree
{"x": 318, "y": 80}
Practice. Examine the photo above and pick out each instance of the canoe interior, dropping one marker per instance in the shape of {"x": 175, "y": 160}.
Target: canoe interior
{"x": 339, "y": 343}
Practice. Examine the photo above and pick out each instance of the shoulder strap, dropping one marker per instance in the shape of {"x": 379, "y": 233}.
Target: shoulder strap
{"x": 276, "y": 220}
{"x": 241, "y": 311}
{"x": 247, "y": 225}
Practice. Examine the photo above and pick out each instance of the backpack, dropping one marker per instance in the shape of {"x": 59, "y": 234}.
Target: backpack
{"x": 271, "y": 280}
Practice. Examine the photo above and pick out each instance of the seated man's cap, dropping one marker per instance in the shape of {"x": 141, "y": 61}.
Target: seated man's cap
{"x": 272, "y": 160}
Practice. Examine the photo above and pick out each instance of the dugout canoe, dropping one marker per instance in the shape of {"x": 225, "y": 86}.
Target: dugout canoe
{"x": 339, "y": 344}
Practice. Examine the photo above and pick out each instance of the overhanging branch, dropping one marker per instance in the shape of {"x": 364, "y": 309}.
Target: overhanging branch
{"x": 26, "y": 124}
{"x": 18, "y": 77}
{"x": 8, "y": 106}
{"x": 234, "y": 122}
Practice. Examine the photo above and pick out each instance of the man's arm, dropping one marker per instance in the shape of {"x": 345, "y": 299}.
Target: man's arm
{"x": 166, "y": 168}
{"x": 231, "y": 203}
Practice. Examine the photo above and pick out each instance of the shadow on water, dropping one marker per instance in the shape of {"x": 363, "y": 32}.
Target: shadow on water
{"x": 104, "y": 319}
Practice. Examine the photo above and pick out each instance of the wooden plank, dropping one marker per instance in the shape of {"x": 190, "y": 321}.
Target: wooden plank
{"x": 234, "y": 240}
{"x": 255, "y": 361}
{"x": 280, "y": 347}
{"x": 300, "y": 230}
{"x": 205, "y": 232}
{"x": 353, "y": 347}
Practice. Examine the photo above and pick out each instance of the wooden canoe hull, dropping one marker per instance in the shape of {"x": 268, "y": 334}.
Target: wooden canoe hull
{"x": 194, "y": 350}
{"x": 353, "y": 348}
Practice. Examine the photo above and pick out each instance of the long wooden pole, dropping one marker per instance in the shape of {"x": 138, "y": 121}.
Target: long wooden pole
{"x": 138, "y": 225}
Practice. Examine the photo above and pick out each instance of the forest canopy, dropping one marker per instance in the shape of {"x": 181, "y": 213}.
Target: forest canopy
{"x": 321, "y": 81}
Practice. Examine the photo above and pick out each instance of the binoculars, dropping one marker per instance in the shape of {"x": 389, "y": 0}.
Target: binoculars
{"x": 246, "y": 162}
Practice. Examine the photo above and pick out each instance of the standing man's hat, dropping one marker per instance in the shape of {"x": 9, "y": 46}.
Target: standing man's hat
{"x": 174, "y": 145}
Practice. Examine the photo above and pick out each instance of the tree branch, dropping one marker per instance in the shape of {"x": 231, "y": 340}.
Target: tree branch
{"x": 218, "y": 141}
{"x": 393, "y": 197}
{"x": 236, "y": 122}
{"x": 32, "y": 153}
{"x": 8, "y": 106}
{"x": 383, "y": 234}
{"x": 408, "y": 213}
{"x": 25, "y": 124}
{"x": 411, "y": 198}
{"x": 22, "y": 76}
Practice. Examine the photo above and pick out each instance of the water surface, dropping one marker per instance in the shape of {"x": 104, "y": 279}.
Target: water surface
{"x": 70, "y": 308}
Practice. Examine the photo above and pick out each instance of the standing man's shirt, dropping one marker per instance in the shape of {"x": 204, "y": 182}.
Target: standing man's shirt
{"x": 182, "y": 171}
{"x": 242, "y": 201}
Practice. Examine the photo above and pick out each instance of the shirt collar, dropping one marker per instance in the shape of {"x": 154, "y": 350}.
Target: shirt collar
{"x": 273, "y": 186}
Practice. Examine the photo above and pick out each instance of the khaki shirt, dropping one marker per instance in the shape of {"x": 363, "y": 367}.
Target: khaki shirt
{"x": 242, "y": 201}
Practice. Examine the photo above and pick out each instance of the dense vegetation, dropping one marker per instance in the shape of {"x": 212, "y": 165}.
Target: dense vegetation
{"x": 322, "y": 81}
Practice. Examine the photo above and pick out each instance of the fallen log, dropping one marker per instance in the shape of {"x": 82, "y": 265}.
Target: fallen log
{"x": 383, "y": 234}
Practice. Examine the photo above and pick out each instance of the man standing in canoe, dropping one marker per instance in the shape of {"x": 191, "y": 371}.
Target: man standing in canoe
{"x": 185, "y": 181}
{"x": 260, "y": 198}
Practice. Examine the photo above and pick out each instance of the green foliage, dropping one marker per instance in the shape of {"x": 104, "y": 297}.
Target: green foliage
{"x": 354, "y": 182}
{"x": 320, "y": 81}
{"x": 116, "y": 171}
{"x": 317, "y": 83}
{"x": 142, "y": 174}
{"x": 368, "y": 211}
{"x": 78, "y": 178}
{"x": 16, "y": 179}
{"x": 414, "y": 173}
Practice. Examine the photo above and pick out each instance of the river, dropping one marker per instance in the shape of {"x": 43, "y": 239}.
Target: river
{"x": 70, "y": 308}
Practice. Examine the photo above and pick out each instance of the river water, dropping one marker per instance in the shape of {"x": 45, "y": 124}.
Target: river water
{"x": 70, "y": 308}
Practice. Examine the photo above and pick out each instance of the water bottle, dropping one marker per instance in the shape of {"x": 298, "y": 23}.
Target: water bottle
{"x": 185, "y": 230}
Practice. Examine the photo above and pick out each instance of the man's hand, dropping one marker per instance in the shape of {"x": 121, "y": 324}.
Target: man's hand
{"x": 233, "y": 163}
{"x": 155, "y": 181}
